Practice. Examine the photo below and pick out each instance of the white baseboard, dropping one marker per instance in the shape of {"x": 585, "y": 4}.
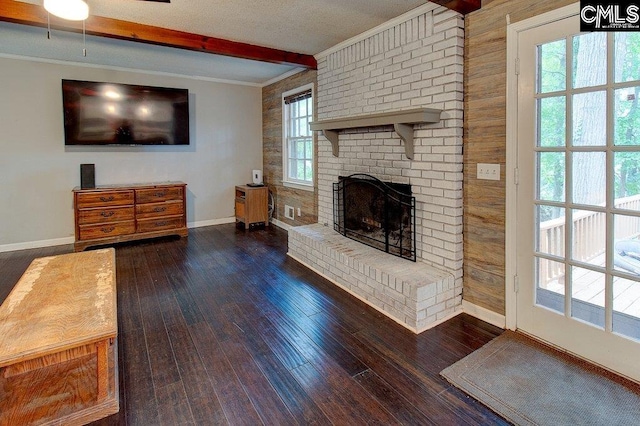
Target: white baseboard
{"x": 36, "y": 244}
{"x": 281, "y": 224}
{"x": 483, "y": 314}
{"x": 211, "y": 222}
{"x": 70, "y": 240}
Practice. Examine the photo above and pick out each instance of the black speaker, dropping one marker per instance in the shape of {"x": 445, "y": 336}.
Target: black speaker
{"x": 87, "y": 176}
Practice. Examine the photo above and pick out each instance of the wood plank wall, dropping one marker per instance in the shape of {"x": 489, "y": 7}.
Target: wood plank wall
{"x": 307, "y": 201}
{"x": 485, "y": 142}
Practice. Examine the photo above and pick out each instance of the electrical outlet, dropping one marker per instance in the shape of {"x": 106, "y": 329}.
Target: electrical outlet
{"x": 488, "y": 171}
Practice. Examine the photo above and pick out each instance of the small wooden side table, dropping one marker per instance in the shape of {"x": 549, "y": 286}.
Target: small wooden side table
{"x": 252, "y": 205}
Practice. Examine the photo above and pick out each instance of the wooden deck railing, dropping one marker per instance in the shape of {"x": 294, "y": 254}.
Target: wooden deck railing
{"x": 589, "y": 236}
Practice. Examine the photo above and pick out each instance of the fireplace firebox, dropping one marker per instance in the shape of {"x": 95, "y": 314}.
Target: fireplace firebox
{"x": 379, "y": 214}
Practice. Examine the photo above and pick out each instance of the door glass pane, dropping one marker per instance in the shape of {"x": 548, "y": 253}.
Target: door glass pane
{"x": 626, "y": 256}
{"x": 552, "y": 130}
{"x": 626, "y": 227}
{"x": 626, "y": 307}
{"x": 627, "y": 116}
{"x": 587, "y": 301}
{"x": 590, "y": 59}
{"x": 627, "y": 180}
{"x": 590, "y": 119}
{"x": 627, "y": 56}
{"x": 551, "y": 230}
{"x": 552, "y": 60}
{"x": 589, "y": 237}
{"x": 550, "y": 290}
{"x": 589, "y": 178}
{"x": 551, "y": 172}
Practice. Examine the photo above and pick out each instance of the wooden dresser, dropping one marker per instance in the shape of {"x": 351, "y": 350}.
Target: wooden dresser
{"x": 113, "y": 214}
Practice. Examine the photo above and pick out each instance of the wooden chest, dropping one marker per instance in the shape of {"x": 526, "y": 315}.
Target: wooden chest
{"x": 58, "y": 350}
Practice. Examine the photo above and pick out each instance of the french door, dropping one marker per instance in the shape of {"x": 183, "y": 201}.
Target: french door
{"x": 578, "y": 192}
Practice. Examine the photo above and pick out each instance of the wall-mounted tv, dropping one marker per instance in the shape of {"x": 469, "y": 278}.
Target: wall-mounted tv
{"x": 123, "y": 114}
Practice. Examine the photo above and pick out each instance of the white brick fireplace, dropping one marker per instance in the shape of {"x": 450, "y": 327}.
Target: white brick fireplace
{"x": 415, "y": 61}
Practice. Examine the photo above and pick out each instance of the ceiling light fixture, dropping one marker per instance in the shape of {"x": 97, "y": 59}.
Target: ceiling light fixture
{"x": 73, "y": 10}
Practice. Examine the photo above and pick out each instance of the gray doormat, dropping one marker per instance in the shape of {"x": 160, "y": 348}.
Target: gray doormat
{"x": 528, "y": 383}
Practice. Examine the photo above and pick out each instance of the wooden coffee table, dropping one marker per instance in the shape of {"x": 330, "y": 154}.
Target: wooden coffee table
{"x": 58, "y": 351}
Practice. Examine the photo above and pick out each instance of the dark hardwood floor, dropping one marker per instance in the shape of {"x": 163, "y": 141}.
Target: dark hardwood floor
{"x": 223, "y": 328}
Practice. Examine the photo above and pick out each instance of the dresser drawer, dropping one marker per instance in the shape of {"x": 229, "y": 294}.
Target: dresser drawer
{"x": 102, "y": 215}
{"x": 159, "y": 224}
{"x": 154, "y": 195}
{"x": 154, "y": 210}
{"x": 103, "y": 198}
{"x": 105, "y": 230}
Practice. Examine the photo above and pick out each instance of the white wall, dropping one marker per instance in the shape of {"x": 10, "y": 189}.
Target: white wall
{"x": 38, "y": 172}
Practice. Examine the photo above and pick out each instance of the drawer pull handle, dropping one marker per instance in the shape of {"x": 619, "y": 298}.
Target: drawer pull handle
{"x": 108, "y": 230}
{"x": 162, "y": 223}
{"x": 107, "y": 199}
{"x": 161, "y": 193}
{"x": 107, "y": 214}
{"x": 159, "y": 209}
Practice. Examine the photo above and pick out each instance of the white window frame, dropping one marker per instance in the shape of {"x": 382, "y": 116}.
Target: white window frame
{"x": 297, "y": 184}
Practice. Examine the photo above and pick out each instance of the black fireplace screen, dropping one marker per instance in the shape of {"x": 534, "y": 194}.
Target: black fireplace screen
{"x": 379, "y": 214}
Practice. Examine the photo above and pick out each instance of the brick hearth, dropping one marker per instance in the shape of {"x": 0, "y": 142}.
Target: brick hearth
{"x": 413, "y": 294}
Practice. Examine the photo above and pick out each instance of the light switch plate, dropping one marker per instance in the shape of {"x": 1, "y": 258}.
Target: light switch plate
{"x": 488, "y": 171}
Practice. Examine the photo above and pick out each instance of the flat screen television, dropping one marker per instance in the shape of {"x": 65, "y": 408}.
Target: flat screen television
{"x": 123, "y": 114}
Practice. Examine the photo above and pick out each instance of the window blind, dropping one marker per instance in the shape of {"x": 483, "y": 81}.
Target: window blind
{"x": 297, "y": 97}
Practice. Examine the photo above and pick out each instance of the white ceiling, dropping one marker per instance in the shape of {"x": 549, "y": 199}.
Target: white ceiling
{"x": 301, "y": 26}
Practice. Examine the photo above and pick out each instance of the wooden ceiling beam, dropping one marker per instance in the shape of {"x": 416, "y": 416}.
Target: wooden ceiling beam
{"x": 30, "y": 14}
{"x": 461, "y": 6}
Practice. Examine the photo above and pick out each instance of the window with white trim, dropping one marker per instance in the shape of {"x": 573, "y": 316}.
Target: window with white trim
{"x": 297, "y": 144}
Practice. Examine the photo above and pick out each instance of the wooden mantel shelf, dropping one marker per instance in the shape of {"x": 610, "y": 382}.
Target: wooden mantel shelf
{"x": 402, "y": 122}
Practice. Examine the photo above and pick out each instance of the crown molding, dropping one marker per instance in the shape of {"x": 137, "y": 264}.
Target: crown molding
{"x": 282, "y": 76}
{"x": 126, "y": 69}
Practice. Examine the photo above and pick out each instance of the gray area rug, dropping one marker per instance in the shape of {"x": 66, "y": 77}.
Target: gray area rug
{"x": 530, "y": 384}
